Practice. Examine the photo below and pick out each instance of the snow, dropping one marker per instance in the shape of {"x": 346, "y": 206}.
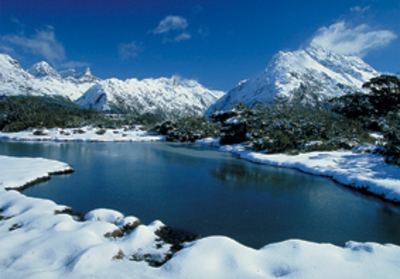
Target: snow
{"x": 173, "y": 95}
{"x": 37, "y": 243}
{"x": 355, "y": 168}
{"x": 88, "y": 134}
{"x": 40, "y": 80}
{"x": 323, "y": 72}
{"x": 26, "y": 173}
{"x": 150, "y": 96}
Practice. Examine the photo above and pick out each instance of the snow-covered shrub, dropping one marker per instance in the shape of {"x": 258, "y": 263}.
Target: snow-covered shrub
{"x": 391, "y": 133}
{"x": 187, "y": 129}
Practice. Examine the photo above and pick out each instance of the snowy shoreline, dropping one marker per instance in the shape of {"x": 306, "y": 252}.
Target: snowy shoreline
{"x": 84, "y": 134}
{"x": 39, "y": 239}
{"x": 364, "y": 172}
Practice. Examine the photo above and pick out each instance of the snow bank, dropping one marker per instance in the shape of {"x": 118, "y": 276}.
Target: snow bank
{"x": 20, "y": 172}
{"x": 83, "y": 134}
{"x": 36, "y": 241}
{"x": 364, "y": 171}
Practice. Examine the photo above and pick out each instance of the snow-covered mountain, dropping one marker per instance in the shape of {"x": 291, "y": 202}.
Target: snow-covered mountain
{"x": 162, "y": 96}
{"x": 41, "y": 80}
{"x": 313, "y": 73}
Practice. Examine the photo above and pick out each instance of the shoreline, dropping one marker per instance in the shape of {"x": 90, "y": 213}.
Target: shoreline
{"x": 40, "y": 179}
{"x": 37, "y": 239}
{"x": 364, "y": 178}
{"x": 83, "y": 134}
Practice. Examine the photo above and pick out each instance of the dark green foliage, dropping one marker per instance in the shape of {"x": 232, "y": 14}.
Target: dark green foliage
{"x": 384, "y": 97}
{"x": 355, "y": 106}
{"x": 292, "y": 126}
{"x": 19, "y": 113}
{"x": 187, "y": 129}
{"x": 378, "y": 110}
{"x": 234, "y": 124}
{"x": 391, "y": 132}
{"x": 233, "y": 133}
{"x": 385, "y": 93}
{"x": 101, "y": 132}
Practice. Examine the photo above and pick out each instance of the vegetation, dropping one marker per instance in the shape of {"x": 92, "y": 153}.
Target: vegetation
{"x": 285, "y": 126}
{"x": 296, "y": 126}
{"x": 187, "y": 129}
{"x": 379, "y": 110}
{"x": 291, "y": 127}
{"x": 19, "y": 113}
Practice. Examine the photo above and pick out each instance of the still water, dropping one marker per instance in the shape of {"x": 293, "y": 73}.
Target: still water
{"x": 210, "y": 193}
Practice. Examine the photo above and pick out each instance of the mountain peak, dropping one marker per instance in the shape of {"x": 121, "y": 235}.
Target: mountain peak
{"x": 43, "y": 69}
{"x": 314, "y": 72}
{"x": 87, "y": 76}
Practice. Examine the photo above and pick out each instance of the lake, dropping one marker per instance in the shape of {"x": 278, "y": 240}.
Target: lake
{"x": 198, "y": 189}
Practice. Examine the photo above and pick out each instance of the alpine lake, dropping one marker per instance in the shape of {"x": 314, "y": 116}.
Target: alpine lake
{"x": 206, "y": 192}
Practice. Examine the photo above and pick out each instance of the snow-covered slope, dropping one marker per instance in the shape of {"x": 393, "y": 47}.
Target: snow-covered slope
{"x": 163, "y": 96}
{"x": 41, "y": 80}
{"x": 314, "y": 72}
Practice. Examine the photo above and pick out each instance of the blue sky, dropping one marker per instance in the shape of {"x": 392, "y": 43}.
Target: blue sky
{"x": 217, "y": 43}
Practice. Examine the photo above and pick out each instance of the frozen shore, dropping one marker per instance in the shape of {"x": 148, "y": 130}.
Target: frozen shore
{"x": 364, "y": 171}
{"x": 38, "y": 241}
{"x": 83, "y": 134}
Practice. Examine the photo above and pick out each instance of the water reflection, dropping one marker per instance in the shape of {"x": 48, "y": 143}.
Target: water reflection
{"x": 210, "y": 193}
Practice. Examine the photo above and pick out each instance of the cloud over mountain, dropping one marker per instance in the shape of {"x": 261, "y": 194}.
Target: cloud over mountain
{"x": 358, "y": 41}
{"x": 43, "y": 44}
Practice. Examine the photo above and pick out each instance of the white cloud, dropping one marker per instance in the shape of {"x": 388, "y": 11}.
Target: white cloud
{"x": 183, "y": 36}
{"x": 359, "y": 9}
{"x": 43, "y": 43}
{"x": 352, "y": 41}
{"x": 129, "y": 50}
{"x": 7, "y": 49}
{"x": 173, "y": 28}
{"x": 171, "y": 23}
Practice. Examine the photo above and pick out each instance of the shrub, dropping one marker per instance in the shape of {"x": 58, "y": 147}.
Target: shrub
{"x": 101, "y": 132}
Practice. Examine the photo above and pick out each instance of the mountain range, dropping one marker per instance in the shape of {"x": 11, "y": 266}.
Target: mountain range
{"x": 312, "y": 74}
{"x": 163, "y": 96}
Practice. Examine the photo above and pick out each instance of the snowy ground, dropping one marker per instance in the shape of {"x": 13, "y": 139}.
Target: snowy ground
{"x": 365, "y": 171}
{"x": 83, "y": 134}
{"x": 36, "y": 241}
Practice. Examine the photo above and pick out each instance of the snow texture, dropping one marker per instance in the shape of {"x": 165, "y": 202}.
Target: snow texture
{"x": 356, "y": 168}
{"x": 319, "y": 73}
{"x": 87, "y": 133}
{"x": 41, "y": 80}
{"x": 163, "y": 95}
{"x": 35, "y": 242}
{"x": 159, "y": 96}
